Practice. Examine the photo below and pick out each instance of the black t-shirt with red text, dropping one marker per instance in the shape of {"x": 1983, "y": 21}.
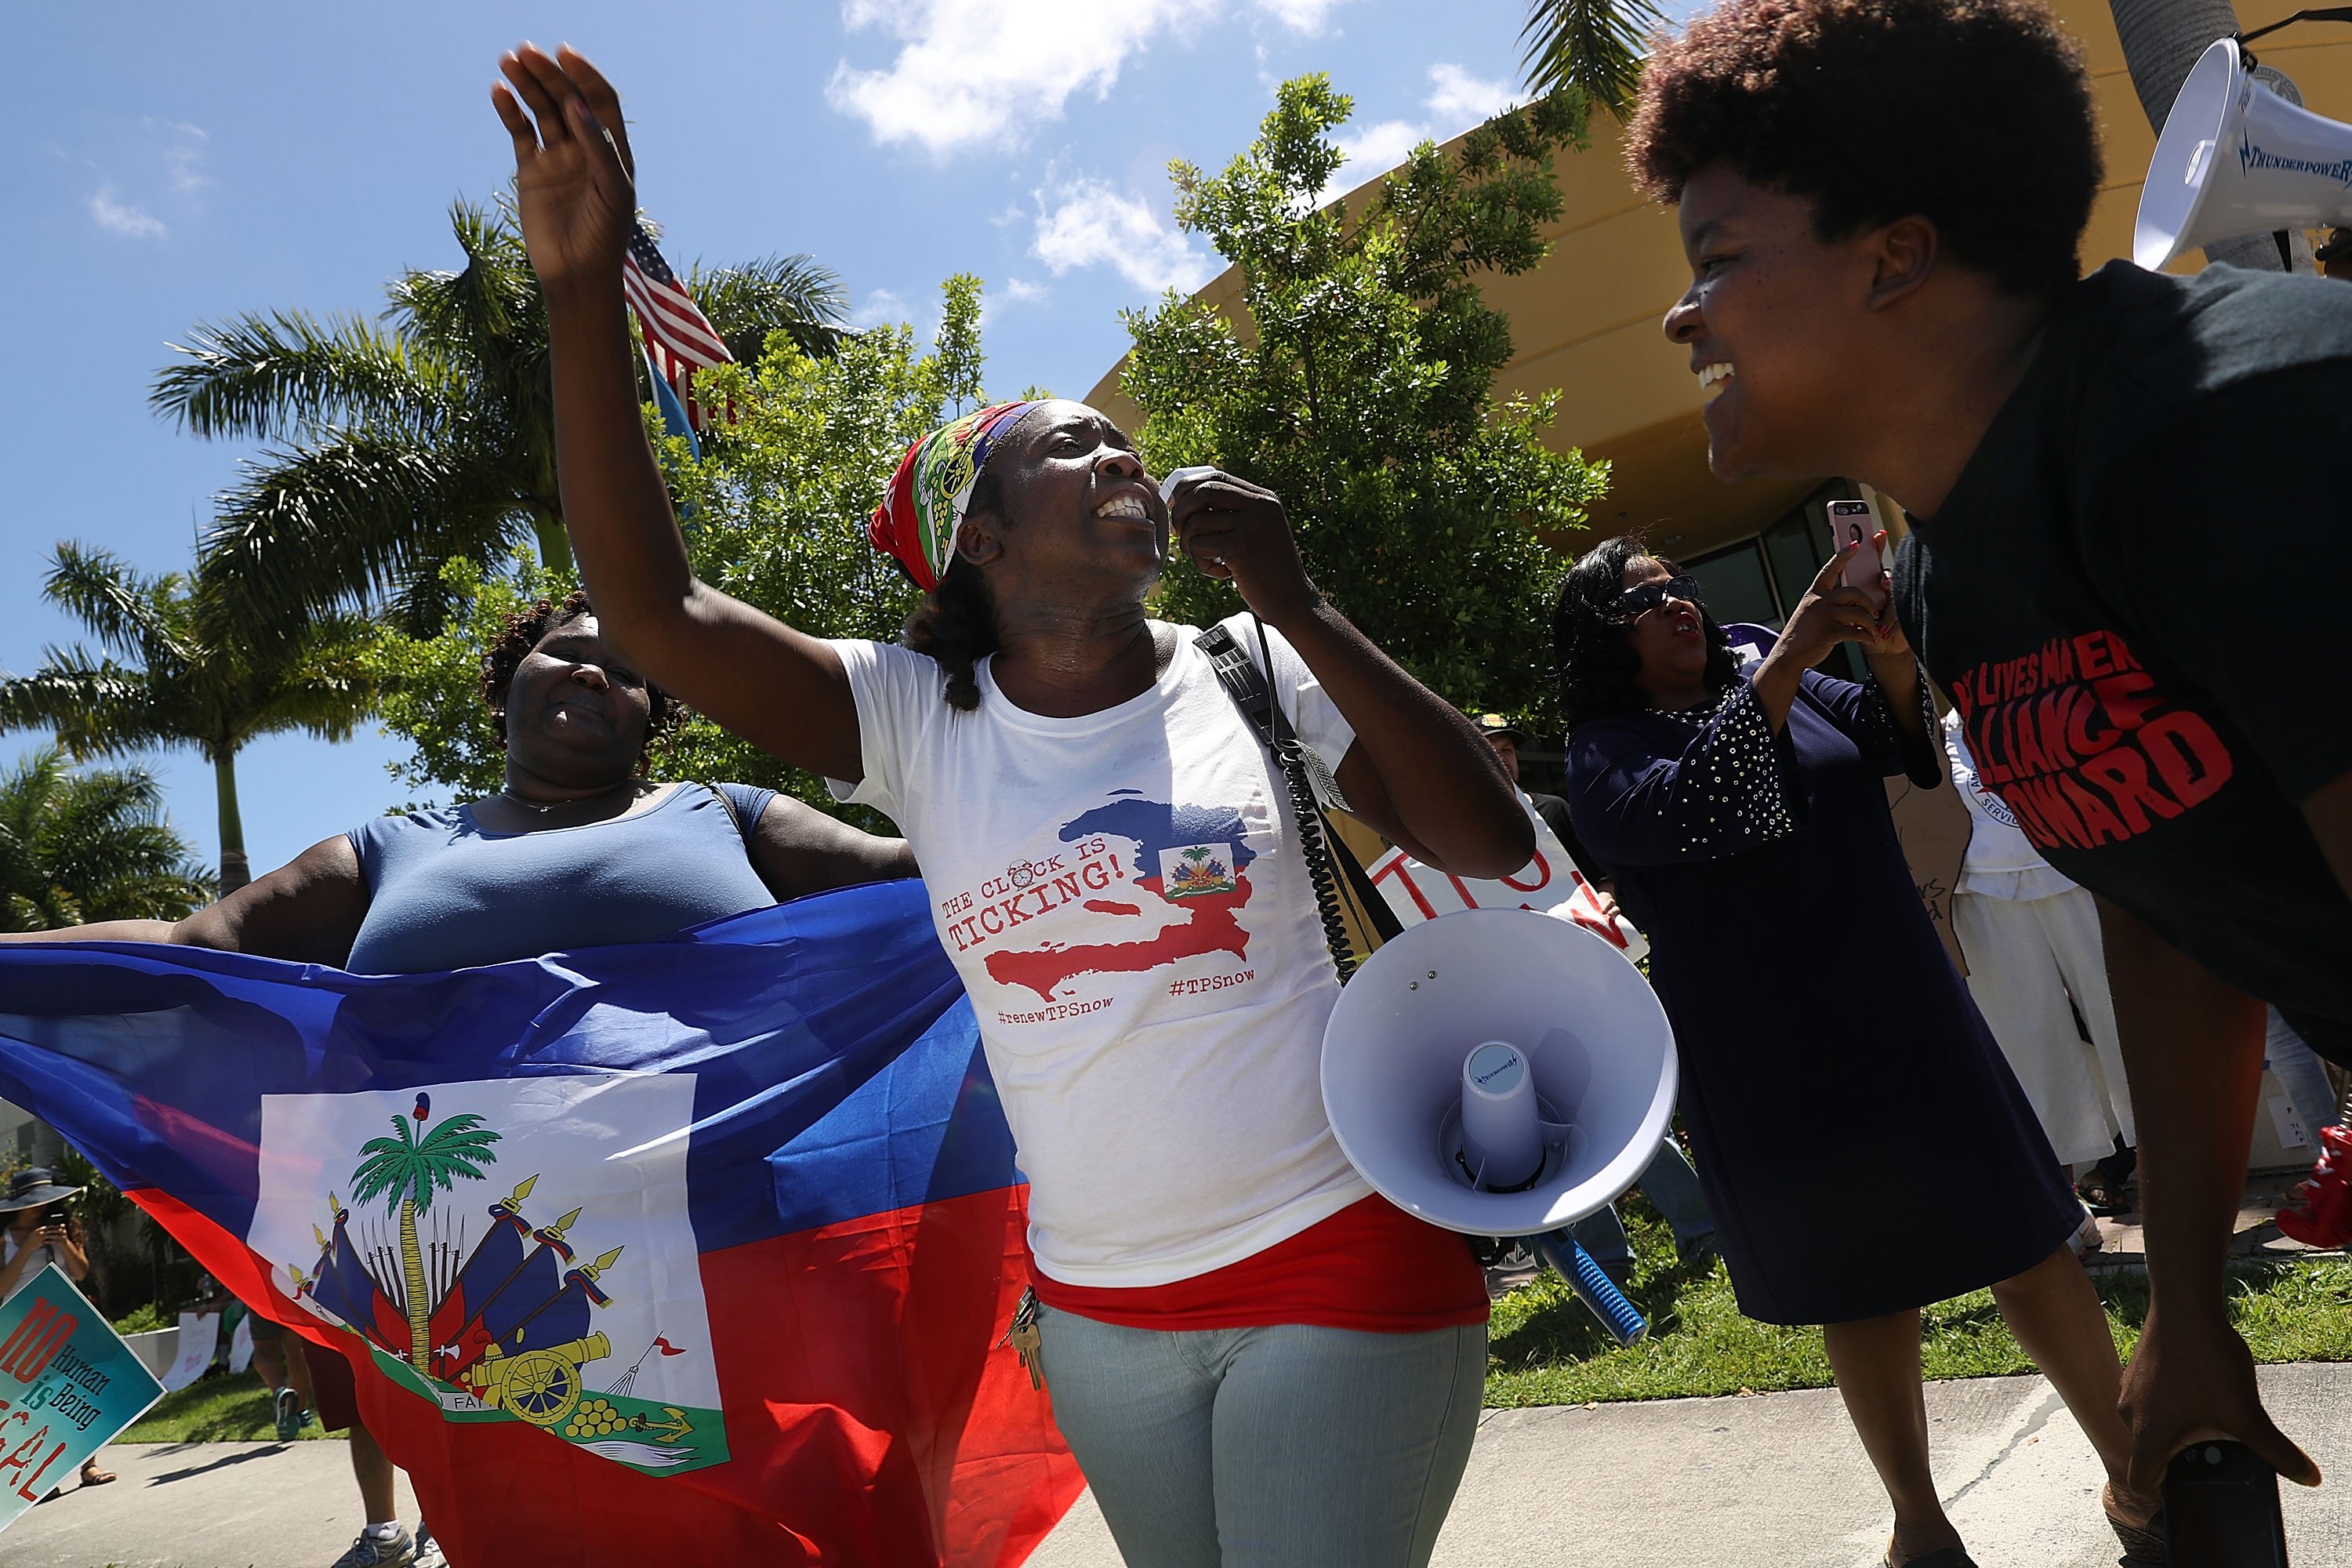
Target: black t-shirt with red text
{"x": 2136, "y": 595}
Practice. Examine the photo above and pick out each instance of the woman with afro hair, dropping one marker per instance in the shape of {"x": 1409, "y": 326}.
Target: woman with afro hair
{"x": 1821, "y": 1030}
{"x": 1881, "y": 204}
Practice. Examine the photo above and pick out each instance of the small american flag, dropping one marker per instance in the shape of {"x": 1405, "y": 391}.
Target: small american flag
{"x": 680, "y": 340}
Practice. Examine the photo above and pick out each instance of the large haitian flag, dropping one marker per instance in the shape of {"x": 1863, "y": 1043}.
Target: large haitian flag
{"x": 701, "y": 1249}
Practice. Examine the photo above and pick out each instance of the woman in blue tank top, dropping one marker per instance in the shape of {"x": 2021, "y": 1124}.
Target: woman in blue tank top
{"x": 577, "y": 851}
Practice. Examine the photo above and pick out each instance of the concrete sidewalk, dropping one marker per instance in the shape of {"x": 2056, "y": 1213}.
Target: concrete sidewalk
{"x": 1771, "y": 1481}
{"x": 202, "y": 1505}
{"x": 1778, "y": 1481}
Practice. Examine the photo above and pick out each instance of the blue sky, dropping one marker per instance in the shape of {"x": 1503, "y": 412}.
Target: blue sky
{"x": 169, "y": 164}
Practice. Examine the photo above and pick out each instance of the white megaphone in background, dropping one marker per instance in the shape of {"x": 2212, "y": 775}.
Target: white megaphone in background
{"x": 2237, "y": 159}
{"x": 1500, "y": 1072}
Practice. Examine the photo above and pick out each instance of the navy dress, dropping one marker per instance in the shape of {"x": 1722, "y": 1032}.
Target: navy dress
{"x": 1840, "y": 1091}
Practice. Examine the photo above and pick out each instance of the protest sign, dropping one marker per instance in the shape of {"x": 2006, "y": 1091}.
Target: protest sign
{"x": 1549, "y": 884}
{"x": 69, "y": 1383}
{"x": 199, "y": 1342}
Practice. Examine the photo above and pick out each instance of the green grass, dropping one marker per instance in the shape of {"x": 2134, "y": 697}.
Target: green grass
{"x": 231, "y": 1409}
{"x": 1547, "y": 1350}
{"x": 141, "y": 1320}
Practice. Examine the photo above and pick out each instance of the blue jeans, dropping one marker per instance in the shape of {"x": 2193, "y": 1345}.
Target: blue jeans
{"x": 1291, "y": 1447}
{"x": 1671, "y": 1187}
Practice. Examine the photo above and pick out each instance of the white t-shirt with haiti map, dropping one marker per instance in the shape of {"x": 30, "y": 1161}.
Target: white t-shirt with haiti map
{"x": 1124, "y": 896}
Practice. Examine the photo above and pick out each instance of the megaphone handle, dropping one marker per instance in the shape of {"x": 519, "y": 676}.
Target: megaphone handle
{"x": 1594, "y": 1288}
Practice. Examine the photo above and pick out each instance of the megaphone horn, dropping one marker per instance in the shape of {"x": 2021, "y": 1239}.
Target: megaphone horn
{"x": 2237, "y": 159}
{"x": 1498, "y": 1072}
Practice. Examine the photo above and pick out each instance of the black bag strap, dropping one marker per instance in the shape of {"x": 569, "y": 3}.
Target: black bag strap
{"x": 1326, "y": 856}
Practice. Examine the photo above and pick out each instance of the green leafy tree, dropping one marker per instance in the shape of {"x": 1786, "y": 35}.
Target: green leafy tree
{"x": 777, "y": 517}
{"x": 403, "y": 1170}
{"x": 1356, "y": 379}
{"x": 955, "y": 349}
{"x": 91, "y": 845}
{"x": 1593, "y": 48}
{"x": 401, "y": 444}
{"x": 195, "y": 678}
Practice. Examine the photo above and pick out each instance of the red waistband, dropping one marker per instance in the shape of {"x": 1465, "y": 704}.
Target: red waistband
{"x": 1371, "y": 1267}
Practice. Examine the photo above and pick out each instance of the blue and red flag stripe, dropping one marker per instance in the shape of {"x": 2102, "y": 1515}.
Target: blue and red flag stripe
{"x": 850, "y": 1188}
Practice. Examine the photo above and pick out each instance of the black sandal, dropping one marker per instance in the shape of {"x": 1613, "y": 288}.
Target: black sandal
{"x": 1943, "y": 1557}
{"x": 2107, "y": 1199}
{"x": 2145, "y": 1546}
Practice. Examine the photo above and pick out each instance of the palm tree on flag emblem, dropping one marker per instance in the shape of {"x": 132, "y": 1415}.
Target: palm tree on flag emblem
{"x": 403, "y": 1170}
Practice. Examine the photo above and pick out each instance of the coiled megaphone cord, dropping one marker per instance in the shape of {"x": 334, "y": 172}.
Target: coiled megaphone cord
{"x": 1321, "y": 875}
{"x": 1314, "y": 853}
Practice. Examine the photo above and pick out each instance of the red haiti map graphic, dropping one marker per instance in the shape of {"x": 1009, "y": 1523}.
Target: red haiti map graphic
{"x": 1191, "y": 857}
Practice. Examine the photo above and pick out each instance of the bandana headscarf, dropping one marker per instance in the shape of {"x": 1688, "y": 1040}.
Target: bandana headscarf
{"x": 916, "y": 523}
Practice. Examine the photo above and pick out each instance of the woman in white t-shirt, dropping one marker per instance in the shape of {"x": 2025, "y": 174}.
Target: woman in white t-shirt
{"x": 1255, "y": 1359}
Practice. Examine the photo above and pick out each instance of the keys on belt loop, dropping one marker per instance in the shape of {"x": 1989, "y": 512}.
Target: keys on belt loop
{"x": 1024, "y": 1338}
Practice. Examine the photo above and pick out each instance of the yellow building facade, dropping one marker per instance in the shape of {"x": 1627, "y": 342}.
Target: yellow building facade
{"x": 1586, "y": 322}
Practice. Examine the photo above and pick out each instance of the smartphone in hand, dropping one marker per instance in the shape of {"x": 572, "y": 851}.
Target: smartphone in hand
{"x": 2222, "y": 1504}
{"x": 1853, "y": 520}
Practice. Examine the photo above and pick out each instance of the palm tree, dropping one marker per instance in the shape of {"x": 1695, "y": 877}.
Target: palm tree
{"x": 201, "y": 678}
{"x": 403, "y": 1170}
{"x": 90, "y": 846}
{"x": 399, "y": 444}
{"x": 1593, "y": 46}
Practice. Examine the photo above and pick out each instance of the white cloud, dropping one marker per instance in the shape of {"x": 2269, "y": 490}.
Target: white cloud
{"x": 1457, "y": 100}
{"x": 1462, "y": 101}
{"x": 181, "y": 162}
{"x": 1089, "y": 223}
{"x": 1373, "y": 149}
{"x": 120, "y": 217}
{"x": 969, "y": 72}
{"x": 998, "y": 297}
{"x": 182, "y": 159}
{"x": 1299, "y": 15}
{"x": 882, "y": 309}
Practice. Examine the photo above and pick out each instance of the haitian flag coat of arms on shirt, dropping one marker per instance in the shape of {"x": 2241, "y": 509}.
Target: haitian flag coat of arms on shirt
{"x": 701, "y": 1249}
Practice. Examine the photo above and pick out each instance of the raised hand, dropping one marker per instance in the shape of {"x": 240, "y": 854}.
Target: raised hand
{"x": 575, "y": 177}
{"x": 1234, "y": 530}
{"x": 1831, "y": 612}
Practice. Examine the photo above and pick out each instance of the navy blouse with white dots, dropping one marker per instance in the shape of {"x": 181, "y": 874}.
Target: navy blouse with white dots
{"x": 1825, "y": 1038}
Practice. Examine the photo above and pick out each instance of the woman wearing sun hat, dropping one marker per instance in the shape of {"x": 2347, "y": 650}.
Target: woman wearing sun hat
{"x": 41, "y": 1230}
{"x": 1255, "y": 1359}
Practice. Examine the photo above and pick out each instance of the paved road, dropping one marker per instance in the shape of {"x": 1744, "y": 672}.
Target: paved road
{"x": 1778, "y": 1481}
{"x": 202, "y": 1505}
{"x": 1774, "y": 1481}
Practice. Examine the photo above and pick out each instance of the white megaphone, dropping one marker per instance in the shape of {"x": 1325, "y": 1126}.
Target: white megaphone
{"x": 2237, "y": 159}
{"x": 1498, "y": 1072}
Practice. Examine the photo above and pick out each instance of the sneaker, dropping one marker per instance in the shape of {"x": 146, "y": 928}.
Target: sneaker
{"x": 290, "y": 1415}
{"x": 1698, "y": 1254}
{"x": 429, "y": 1551}
{"x": 394, "y": 1550}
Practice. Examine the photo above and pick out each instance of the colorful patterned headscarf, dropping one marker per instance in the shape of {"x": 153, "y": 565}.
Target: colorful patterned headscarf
{"x": 916, "y": 523}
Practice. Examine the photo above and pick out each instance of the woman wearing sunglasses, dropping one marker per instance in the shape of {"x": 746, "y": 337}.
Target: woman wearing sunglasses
{"x": 1838, "y": 1084}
